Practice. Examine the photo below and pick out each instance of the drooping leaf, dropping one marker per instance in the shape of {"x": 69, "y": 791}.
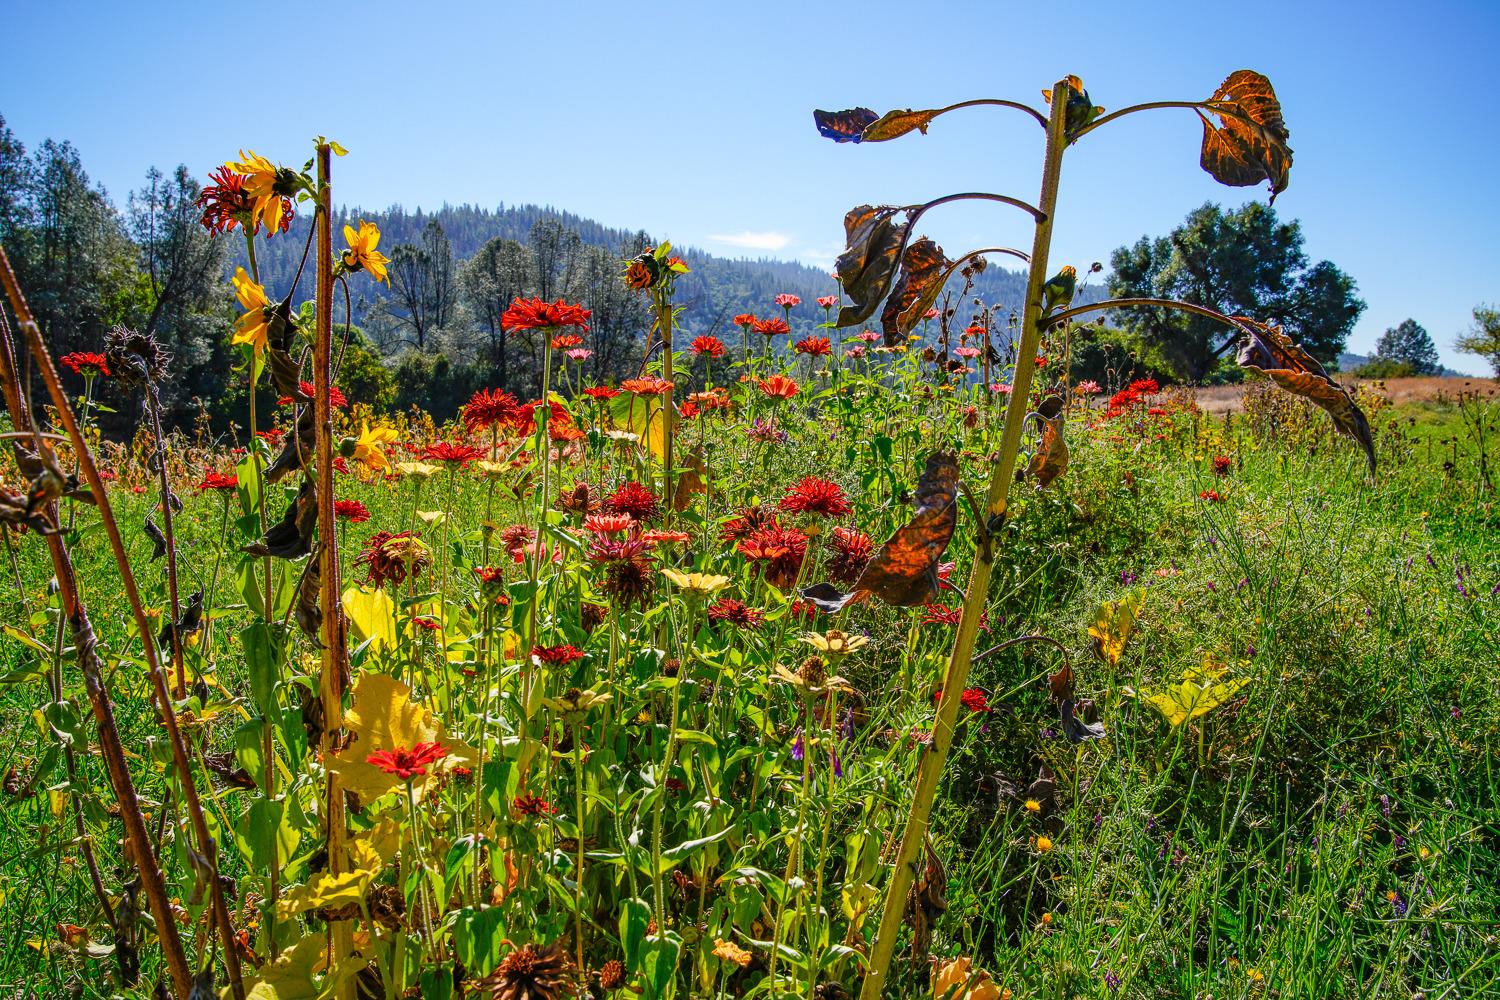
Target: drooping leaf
{"x": 692, "y": 478}
{"x": 923, "y": 267}
{"x": 158, "y": 540}
{"x": 1075, "y": 729}
{"x": 297, "y": 452}
{"x": 894, "y": 124}
{"x": 1050, "y": 459}
{"x": 829, "y": 598}
{"x": 1113, "y": 624}
{"x": 1250, "y": 143}
{"x": 385, "y": 718}
{"x": 844, "y": 126}
{"x": 292, "y": 536}
{"x": 309, "y": 591}
{"x": 1269, "y": 351}
{"x": 873, "y": 239}
{"x": 904, "y": 571}
{"x": 190, "y": 622}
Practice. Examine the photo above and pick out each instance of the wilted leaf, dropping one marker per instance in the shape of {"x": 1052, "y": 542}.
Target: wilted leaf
{"x": 1050, "y": 459}
{"x": 923, "y": 268}
{"x": 190, "y": 622}
{"x": 309, "y": 591}
{"x": 928, "y": 899}
{"x": 292, "y": 536}
{"x": 844, "y": 126}
{"x": 957, "y": 979}
{"x": 894, "y": 124}
{"x": 691, "y": 479}
{"x": 1248, "y": 146}
{"x": 1075, "y": 729}
{"x": 158, "y": 540}
{"x": 1113, "y": 623}
{"x": 873, "y": 240}
{"x": 297, "y": 452}
{"x": 1269, "y": 351}
{"x": 904, "y": 571}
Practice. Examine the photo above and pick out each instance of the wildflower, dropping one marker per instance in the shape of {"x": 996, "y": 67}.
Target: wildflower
{"x": 932, "y": 313}
{"x": 634, "y": 500}
{"x": 268, "y": 189}
{"x": 86, "y": 363}
{"x": 967, "y": 353}
{"x": 1043, "y": 844}
{"x": 1212, "y": 496}
{"x": 367, "y": 448}
{"x": 867, "y": 336}
{"x": 611, "y": 975}
{"x": 426, "y": 624}
{"x": 394, "y": 557}
{"x": 732, "y": 612}
{"x": 729, "y": 952}
{"x": 225, "y": 204}
{"x": 1222, "y": 464}
{"x": 1047, "y": 919}
{"x": 351, "y": 510}
{"x": 787, "y": 300}
{"x": 661, "y": 536}
{"x": 803, "y": 611}
{"x": 524, "y": 418}
{"x": 564, "y": 341}
{"x": 1033, "y": 806}
{"x": 556, "y": 656}
{"x": 777, "y": 387}
{"x": 647, "y": 385}
{"x": 941, "y": 614}
{"x": 219, "y": 481}
{"x": 1088, "y": 387}
{"x": 407, "y": 764}
{"x": 781, "y": 550}
{"x": 451, "y": 454}
{"x": 362, "y": 255}
{"x": 973, "y": 699}
{"x": 700, "y": 584}
{"x": 627, "y": 568}
{"x": 856, "y": 352}
{"x": 251, "y": 328}
{"x": 535, "y": 314}
{"x": 708, "y": 346}
{"x": 601, "y": 392}
{"x": 774, "y": 327}
{"x": 816, "y": 347}
{"x": 531, "y": 973}
{"x": 579, "y": 355}
{"x": 828, "y": 301}
{"x": 766, "y": 431}
{"x": 849, "y": 551}
{"x": 608, "y": 524}
{"x": 532, "y": 805}
{"x": 134, "y": 358}
{"x": 812, "y": 495}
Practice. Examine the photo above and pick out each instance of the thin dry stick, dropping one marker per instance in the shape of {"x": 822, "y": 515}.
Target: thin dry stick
{"x": 330, "y": 682}
{"x": 959, "y": 661}
{"x": 90, "y": 470}
{"x": 110, "y": 747}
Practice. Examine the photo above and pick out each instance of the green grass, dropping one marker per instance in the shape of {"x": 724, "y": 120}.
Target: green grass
{"x": 1252, "y": 852}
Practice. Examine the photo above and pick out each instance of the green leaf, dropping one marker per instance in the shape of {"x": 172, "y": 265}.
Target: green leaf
{"x": 478, "y": 934}
{"x": 263, "y": 657}
{"x": 635, "y": 917}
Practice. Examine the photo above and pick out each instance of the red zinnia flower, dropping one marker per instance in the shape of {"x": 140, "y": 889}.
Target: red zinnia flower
{"x": 307, "y": 393}
{"x": 817, "y": 347}
{"x": 941, "y": 614}
{"x": 773, "y": 327}
{"x": 1222, "y": 464}
{"x": 777, "y": 386}
{"x": 446, "y": 451}
{"x": 747, "y": 522}
{"x": 601, "y": 392}
{"x": 816, "y": 496}
{"x": 557, "y": 656}
{"x": 708, "y": 346}
{"x": 850, "y": 551}
{"x": 534, "y": 314}
{"x": 1212, "y": 496}
{"x": 804, "y": 611}
{"x": 647, "y": 385}
{"x": 225, "y": 204}
{"x": 633, "y": 499}
{"x": 219, "y": 481}
{"x": 86, "y": 363}
{"x": 524, "y": 420}
{"x": 662, "y": 536}
{"x": 351, "y": 510}
{"x": 828, "y": 301}
{"x": 973, "y": 699}
{"x": 627, "y": 568}
{"x": 393, "y": 557}
{"x": 736, "y": 613}
{"x": 1146, "y": 386}
{"x": 407, "y": 764}
{"x": 745, "y": 320}
{"x": 488, "y": 407}
{"x": 563, "y": 341}
{"x": 781, "y": 549}
{"x": 787, "y": 300}
{"x": 532, "y": 805}
{"x": 608, "y": 524}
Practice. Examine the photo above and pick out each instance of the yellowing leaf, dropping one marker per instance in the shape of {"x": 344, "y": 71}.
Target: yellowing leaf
{"x": 384, "y": 718}
{"x": 325, "y": 891}
{"x": 432, "y": 517}
{"x": 373, "y": 616}
{"x": 1200, "y": 692}
{"x": 1113, "y": 624}
{"x": 949, "y": 980}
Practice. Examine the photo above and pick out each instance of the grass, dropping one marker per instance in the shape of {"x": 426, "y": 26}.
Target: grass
{"x": 1331, "y": 830}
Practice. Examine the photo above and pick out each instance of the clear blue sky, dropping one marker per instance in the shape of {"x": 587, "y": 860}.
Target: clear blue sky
{"x": 693, "y": 120}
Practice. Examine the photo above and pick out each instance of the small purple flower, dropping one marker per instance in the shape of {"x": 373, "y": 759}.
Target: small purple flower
{"x": 838, "y": 765}
{"x": 1385, "y": 806}
{"x": 1112, "y": 980}
{"x": 1398, "y": 905}
{"x": 846, "y": 725}
{"x": 1049, "y": 734}
{"x": 1127, "y": 577}
{"x": 797, "y": 749}
{"x": 1250, "y": 651}
{"x": 1398, "y": 841}
{"x": 1430, "y": 561}
{"x": 1456, "y": 712}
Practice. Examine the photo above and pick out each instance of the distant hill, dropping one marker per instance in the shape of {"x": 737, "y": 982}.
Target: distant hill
{"x": 1349, "y": 361}
{"x": 717, "y": 289}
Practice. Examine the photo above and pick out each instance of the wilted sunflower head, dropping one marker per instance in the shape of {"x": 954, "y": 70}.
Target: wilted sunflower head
{"x": 135, "y": 358}
{"x": 532, "y": 973}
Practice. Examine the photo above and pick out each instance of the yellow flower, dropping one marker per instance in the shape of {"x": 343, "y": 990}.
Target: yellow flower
{"x": 1047, "y": 919}
{"x": 698, "y": 583}
{"x": 421, "y": 470}
{"x": 262, "y": 179}
{"x": 1043, "y": 844}
{"x": 1033, "y": 806}
{"x": 835, "y": 643}
{"x": 367, "y": 447}
{"x": 251, "y": 327}
{"x": 728, "y": 951}
{"x": 362, "y": 255}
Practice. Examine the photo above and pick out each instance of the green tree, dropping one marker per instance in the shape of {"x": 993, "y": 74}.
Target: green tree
{"x": 497, "y": 274}
{"x": 1483, "y": 337}
{"x": 1409, "y": 343}
{"x": 1241, "y": 262}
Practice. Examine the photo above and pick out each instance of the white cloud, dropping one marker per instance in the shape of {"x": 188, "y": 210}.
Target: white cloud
{"x": 753, "y": 241}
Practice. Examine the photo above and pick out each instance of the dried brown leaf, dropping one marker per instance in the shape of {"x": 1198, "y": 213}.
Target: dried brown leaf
{"x": 1249, "y": 145}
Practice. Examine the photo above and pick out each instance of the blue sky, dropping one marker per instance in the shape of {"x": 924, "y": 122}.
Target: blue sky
{"x": 694, "y": 121}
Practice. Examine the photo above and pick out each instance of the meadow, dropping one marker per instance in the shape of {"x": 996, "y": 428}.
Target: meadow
{"x": 813, "y": 661}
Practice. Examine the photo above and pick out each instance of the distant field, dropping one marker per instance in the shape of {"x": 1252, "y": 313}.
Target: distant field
{"x": 1226, "y": 398}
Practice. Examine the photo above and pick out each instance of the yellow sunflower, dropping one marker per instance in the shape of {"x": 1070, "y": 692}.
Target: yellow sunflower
{"x": 362, "y": 255}
{"x": 251, "y": 328}
{"x": 261, "y": 176}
